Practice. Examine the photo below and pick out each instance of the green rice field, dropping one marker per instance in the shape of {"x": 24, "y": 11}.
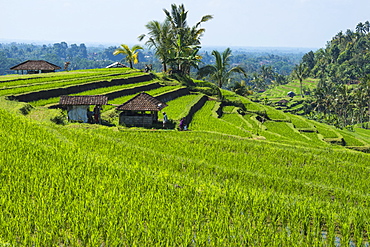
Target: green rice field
{"x": 241, "y": 176}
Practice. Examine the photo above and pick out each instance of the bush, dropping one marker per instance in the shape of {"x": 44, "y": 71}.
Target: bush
{"x": 59, "y": 119}
{"x": 26, "y": 109}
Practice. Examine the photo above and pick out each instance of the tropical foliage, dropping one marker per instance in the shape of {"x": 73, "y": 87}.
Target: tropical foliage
{"x": 175, "y": 42}
{"x": 300, "y": 73}
{"x": 343, "y": 67}
{"x": 130, "y": 53}
{"x": 220, "y": 72}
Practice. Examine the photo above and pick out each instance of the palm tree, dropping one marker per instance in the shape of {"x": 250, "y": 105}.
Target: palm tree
{"x": 367, "y": 26}
{"x": 131, "y": 54}
{"x": 220, "y": 72}
{"x": 361, "y": 29}
{"x": 300, "y": 72}
{"x": 174, "y": 41}
{"x": 159, "y": 38}
{"x": 267, "y": 74}
{"x": 185, "y": 39}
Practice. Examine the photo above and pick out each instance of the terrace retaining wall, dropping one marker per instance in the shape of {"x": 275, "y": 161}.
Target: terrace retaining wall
{"x": 168, "y": 96}
{"x": 196, "y": 107}
{"x": 56, "y": 92}
{"x": 129, "y": 91}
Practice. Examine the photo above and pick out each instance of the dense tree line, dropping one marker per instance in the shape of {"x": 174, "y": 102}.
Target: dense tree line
{"x": 262, "y": 70}
{"x": 79, "y": 56}
{"x": 342, "y": 97}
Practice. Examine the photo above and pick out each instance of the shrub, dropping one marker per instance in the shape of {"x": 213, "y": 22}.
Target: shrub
{"x": 26, "y": 109}
{"x": 59, "y": 119}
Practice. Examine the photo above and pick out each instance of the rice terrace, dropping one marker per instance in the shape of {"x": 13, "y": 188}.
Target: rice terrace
{"x": 240, "y": 164}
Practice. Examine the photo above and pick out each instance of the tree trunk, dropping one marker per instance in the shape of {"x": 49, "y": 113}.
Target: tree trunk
{"x": 300, "y": 81}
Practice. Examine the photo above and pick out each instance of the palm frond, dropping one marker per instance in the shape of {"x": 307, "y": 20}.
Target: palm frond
{"x": 206, "y": 70}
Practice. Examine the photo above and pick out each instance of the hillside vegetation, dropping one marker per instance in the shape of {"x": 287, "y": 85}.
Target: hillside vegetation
{"x": 342, "y": 94}
{"x": 245, "y": 173}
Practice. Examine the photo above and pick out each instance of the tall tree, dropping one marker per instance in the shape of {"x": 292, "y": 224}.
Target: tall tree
{"x": 300, "y": 72}
{"x": 220, "y": 72}
{"x": 131, "y": 54}
{"x": 174, "y": 40}
{"x": 159, "y": 39}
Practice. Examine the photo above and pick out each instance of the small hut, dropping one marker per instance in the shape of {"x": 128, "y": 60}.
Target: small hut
{"x": 78, "y": 107}
{"x": 116, "y": 65}
{"x": 35, "y": 67}
{"x": 141, "y": 110}
{"x": 282, "y": 102}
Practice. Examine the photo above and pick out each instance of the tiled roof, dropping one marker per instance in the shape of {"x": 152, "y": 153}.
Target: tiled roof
{"x": 35, "y": 65}
{"x": 142, "y": 102}
{"x": 83, "y": 100}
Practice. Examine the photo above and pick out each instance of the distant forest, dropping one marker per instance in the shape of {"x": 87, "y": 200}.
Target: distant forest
{"x": 83, "y": 57}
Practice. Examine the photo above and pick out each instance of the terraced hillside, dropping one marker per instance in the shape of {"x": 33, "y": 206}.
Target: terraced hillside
{"x": 281, "y": 91}
{"x": 244, "y": 175}
{"x": 278, "y": 96}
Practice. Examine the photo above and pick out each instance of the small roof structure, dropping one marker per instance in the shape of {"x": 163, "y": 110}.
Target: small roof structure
{"x": 142, "y": 102}
{"x": 36, "y": 65}
{"x": 291, "y": 94}
{"x": 283, "y": 101}
{"x": 83, "y": 100}
{"x": 116, "y": 65}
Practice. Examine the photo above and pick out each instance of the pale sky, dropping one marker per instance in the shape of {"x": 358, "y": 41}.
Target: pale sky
{"x": 250, "y": 23}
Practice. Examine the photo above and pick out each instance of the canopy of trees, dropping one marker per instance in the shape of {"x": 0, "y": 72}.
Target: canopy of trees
{"x": 79, "y": 56}
{"x": 343, "y": 95}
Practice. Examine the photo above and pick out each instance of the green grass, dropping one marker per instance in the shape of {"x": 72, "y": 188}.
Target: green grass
{"x": 61, "y": 82}
{"x": 79, "y": 186}
{"x": 179, "y": 108}
{"x": 219, "y": 184}
{"x": 98, "y": 91}
{"x": 281, "y": 91}
{"x": 204, "y": 120}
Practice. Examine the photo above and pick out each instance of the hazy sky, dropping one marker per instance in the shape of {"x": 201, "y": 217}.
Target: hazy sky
{"x": 256, "y": 23}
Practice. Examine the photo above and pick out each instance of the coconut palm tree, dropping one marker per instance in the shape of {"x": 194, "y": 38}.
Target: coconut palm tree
{"x": 185, "y": 39}
{"x": 300, "y": 72}
{"x": 220, "y": 72}
{"x": 159, "y": 39}
{"x": 360, "y": 28}
{"x": 367, "y": 26}
{"x": 174, "y": 40}
{"x": 131, "y": 54}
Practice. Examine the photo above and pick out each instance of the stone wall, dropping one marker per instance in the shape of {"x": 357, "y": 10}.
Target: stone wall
{"x": 145, "y": 120}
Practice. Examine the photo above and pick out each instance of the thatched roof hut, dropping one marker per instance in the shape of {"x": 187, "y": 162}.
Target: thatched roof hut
{"x": 141, "y": 110}
{"x": 36, "y": 66}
